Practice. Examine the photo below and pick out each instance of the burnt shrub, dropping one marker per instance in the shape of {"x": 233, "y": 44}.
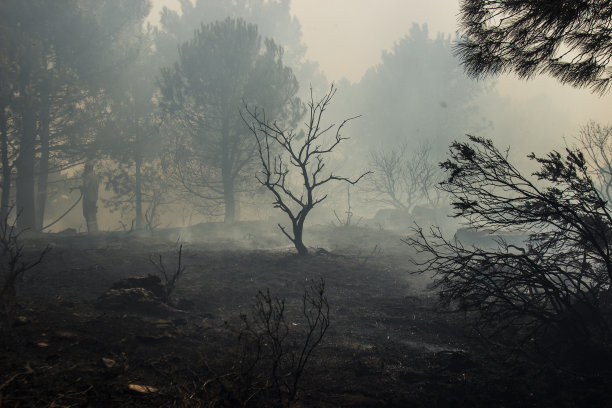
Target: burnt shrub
{"x": 275, "y": 347}
{"x": 553, "y": 289}
{"x": 14, "y": 262}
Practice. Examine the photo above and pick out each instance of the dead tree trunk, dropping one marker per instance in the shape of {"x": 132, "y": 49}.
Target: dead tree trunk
{"x": 227, "y": 177}
{"x": 25, "y": 169}
{"x": 43, "y": 165}
{"x": 138, "y": 193}
{"x": 6, "y": 166}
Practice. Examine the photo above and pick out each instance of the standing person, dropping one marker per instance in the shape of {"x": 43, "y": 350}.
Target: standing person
{"x": 89, "y": 189}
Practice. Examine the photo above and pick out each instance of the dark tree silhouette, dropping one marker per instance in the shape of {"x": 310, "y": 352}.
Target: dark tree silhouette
{"x": 285, "y": 154}
{"x": 55, "y": 64}
{"x": 567, "y": 39}
{"x": 558, "y": 280}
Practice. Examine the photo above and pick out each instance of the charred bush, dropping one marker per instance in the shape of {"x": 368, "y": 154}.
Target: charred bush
{"x": 553, "y": 286}
{"x": 13, "y": 262}
{"x": 146, "y": 294}
{"x": 273, "y": 355}
{"x": 170, "y": 278}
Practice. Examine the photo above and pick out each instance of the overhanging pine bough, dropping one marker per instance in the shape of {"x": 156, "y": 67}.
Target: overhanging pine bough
{"x": 283, "y": 152}
{"x": 567, "y": 39}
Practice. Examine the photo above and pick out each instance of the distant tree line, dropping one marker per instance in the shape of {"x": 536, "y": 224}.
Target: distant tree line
{"x": 159, "y": 107}
{"x": 54, "y": 64}
{"x": 84, "y": 80}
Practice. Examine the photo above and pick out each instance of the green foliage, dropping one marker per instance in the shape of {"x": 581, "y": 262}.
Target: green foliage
{"x": 225, "y": 65}
{"x": 273, "y": 19}
{"x": 130, "y": 134}
{"x": 569, "y": 40}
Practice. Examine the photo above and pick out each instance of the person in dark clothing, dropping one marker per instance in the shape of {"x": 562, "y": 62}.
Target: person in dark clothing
{"x": 89, "y": 189}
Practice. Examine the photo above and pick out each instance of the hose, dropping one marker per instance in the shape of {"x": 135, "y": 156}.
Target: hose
{"x": 64, "y": 214}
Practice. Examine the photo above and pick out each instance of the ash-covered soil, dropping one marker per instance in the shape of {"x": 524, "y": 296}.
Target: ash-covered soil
{"x": 388, "y": 345}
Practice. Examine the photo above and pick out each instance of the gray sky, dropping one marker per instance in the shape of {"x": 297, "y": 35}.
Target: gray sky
{"x": 346, "y": 37}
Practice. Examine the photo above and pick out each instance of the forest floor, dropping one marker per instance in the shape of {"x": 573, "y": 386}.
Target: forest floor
{"x": 388, "y": 344}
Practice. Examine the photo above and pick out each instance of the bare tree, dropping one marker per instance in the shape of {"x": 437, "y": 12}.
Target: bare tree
{"x": 596, "y": 141}
{"x": 287, "y": 156}
{"x": 556, "y": 283}
{"x": 405, "y": 176}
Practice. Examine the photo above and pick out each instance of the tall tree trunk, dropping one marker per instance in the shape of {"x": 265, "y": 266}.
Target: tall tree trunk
{"x": 43, "y": 165}
{"x": 138, "y": 187}
{"x": 226, "y": 173}
{"x": 236, "y": 205}
{"x": 6, "y": 169}
{"x": 298, "y": 236}
{"x": 25, "y": 168}
{"x": 228, "y": 197}
{"x": 138, "y": 181}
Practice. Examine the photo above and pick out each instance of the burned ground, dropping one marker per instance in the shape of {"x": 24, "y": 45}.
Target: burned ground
{"x": 388, "y": 344}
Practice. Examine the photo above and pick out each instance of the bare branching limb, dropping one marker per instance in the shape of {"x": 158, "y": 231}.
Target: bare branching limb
{"x": 405, "y": 176}
{"x": 596, "y": 142}
{"x": 274, "y": 357}
{"x": 151, "y": 214}
{"x": 287, "y": 156}
{"x": 315, "y": 310}
{"x": 347, "y": 220}
{"x": 170, "y": 281}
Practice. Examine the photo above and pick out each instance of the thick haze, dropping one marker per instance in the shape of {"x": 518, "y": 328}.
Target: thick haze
{"x": 391, "y": 61}
{"x": 347, "y": 37}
